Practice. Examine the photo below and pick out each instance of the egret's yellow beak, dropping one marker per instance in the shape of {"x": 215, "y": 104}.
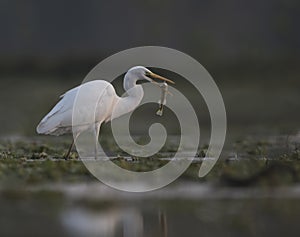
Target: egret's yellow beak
{"x": 155, "y": 76}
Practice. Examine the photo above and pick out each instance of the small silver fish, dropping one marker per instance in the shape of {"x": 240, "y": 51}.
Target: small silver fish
{"x": 163, "y": 98}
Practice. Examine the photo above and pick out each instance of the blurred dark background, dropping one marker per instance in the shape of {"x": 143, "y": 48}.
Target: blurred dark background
{"x": 251, "y": 48}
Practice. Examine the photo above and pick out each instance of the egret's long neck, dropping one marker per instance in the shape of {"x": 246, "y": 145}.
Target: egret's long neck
{"x": 134, "y": 97}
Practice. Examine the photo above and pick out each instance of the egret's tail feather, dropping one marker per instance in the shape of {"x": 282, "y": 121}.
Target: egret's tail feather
{"x": 51, "y": 126}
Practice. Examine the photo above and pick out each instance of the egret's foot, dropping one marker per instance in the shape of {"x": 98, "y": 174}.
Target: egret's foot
{"x": 66, "y": 156}
{"x": 70, "y": 156}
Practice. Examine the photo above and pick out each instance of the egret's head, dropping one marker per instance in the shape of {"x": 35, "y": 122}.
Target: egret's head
{"x": 142, "y": 73}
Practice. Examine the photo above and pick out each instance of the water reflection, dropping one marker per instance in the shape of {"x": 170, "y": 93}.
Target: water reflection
{"x": 251, "y": 214}
{"x": 111, "y": 222}
{"x": 126, "y": 222}
{"x": 186, "y": 218}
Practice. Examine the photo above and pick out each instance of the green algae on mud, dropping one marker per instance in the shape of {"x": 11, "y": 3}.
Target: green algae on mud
{"x": 20, "y": 171}
{"x": 254, "y": 163}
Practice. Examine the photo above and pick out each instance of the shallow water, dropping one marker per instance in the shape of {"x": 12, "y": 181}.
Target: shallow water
{"x": 93, "y": 209}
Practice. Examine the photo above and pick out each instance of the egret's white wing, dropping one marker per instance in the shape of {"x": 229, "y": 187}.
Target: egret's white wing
{"x": 98, "y": 96}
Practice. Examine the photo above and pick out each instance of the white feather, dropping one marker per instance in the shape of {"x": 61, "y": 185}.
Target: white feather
{"x": 59, "y": 120}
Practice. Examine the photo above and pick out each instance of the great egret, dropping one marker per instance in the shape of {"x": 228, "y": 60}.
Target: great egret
{"x": 59, "y": 120}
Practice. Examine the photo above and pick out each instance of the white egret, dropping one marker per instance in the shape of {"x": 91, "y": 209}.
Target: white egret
{"x": 59, "y": 120}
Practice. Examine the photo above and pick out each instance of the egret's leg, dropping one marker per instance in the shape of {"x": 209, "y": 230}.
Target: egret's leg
{"x": 71, "y": 147}
{"x": 69, "y": 150}
{"x": 97, "y": 130}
